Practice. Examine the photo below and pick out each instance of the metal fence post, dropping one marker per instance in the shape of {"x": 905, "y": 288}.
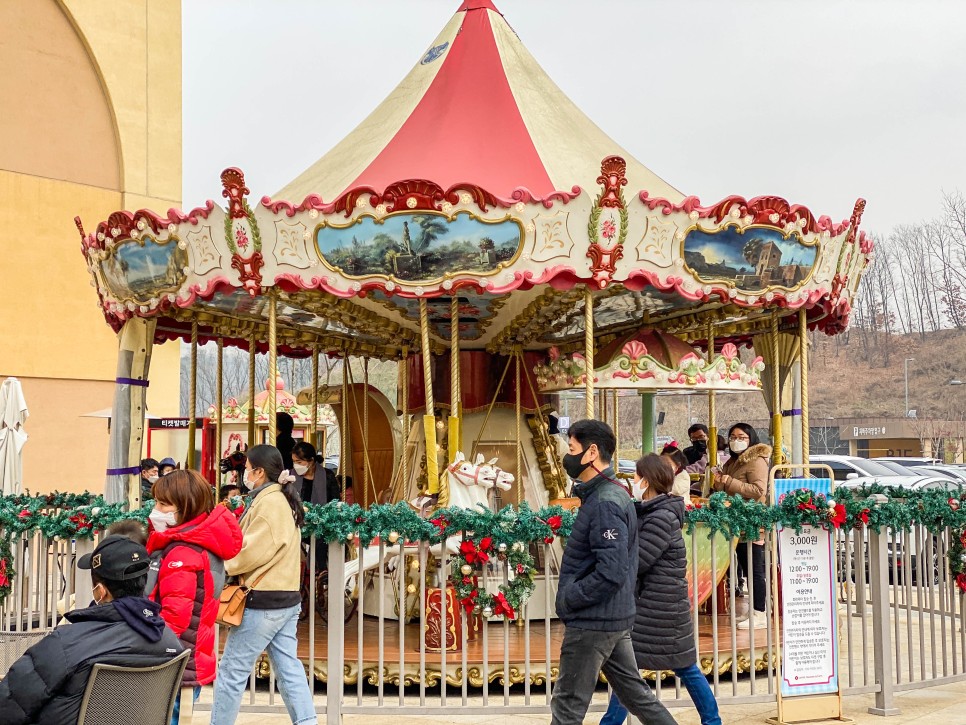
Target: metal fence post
{"x": 336, "y": 631}
{"x": 881, "y": 623}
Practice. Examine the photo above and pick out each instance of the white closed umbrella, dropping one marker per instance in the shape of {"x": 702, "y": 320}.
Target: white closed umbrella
{"x": 13, "y": 415}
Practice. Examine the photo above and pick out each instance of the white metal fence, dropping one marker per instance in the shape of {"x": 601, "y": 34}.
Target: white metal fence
{"x": 900, "y": 618}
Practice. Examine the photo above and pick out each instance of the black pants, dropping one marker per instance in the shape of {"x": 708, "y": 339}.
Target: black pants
{"x": 583, "y": 656}
{"x": 757, "y": 578}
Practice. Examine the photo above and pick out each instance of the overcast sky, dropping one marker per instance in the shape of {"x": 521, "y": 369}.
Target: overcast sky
{"x": 819, "y": 102}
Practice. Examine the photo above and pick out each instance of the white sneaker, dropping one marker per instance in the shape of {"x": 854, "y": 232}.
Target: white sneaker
{"x": 758, "y": 620}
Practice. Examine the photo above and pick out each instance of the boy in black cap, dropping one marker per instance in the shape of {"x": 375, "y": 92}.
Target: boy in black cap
{"x": 120, "y": 628}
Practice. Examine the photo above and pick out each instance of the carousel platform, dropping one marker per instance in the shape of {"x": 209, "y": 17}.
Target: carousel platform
{"x": 406, "y": 669}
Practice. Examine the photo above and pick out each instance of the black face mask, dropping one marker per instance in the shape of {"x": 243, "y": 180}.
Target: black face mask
{"x": 572, "y": 464}
{"x": 700, "y": 446}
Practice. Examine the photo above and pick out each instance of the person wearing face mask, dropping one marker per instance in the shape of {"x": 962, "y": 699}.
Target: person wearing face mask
{"x": 662, "y": 635}
{"x": 699, "y": 435}
{"x": 269, "y": 563}
{"x": 149, "y": 474}
{"x": 188, "y": 542}
{"x": 46, "y": 685}
{"x": 595, "y": 595}
{"x": 746, "y": 475}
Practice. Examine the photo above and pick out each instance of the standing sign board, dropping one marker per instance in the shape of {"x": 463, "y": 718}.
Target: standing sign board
{"x": 804, "y": 571}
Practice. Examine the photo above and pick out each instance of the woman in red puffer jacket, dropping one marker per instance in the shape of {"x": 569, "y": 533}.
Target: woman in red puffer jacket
{"x": 190, "y": 537}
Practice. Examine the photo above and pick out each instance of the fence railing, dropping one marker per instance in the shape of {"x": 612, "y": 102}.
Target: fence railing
{"x": 369, "y": 634}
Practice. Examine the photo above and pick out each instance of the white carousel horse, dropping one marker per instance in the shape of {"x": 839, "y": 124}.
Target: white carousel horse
{"x": 467, "y": 484}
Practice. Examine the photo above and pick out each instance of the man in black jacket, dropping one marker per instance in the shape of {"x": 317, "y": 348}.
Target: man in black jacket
{"x": 46, "y": 685}
{"x": 595, "y": 599}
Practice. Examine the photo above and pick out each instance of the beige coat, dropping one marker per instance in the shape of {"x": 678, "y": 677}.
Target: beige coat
{"x": 271, "y": 544}
{"x": 747, "y": 475}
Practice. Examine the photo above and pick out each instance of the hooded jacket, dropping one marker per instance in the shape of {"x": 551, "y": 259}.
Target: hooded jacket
{"x": 46, "y": 685}
{"x": 596, "y": 586}
{"x": 747, "y": 475}
{"x": 186, "y": 587}
{"x": 662, "y": 635}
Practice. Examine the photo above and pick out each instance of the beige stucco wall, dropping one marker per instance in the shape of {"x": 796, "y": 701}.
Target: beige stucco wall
{"x": 91, "y": 123}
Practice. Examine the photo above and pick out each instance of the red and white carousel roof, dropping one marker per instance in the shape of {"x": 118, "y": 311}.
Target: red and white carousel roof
{"x": 477, "y": 108}
{"x": 476, "y": 179}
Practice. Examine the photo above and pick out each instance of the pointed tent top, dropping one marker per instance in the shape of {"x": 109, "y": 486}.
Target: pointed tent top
{"x": 477, "y": 108}
{"x": 478, "y": 5}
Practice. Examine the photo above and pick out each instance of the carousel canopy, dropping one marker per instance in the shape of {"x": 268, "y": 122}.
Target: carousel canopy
{"x": 479, "y": 188}
{"x": 476, "y": 108}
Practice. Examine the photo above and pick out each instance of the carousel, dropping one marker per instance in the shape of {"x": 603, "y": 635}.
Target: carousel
{"x": 480, "y": 231}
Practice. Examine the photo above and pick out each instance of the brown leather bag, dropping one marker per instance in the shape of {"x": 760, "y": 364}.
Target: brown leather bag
{"x": 231, "y": 603}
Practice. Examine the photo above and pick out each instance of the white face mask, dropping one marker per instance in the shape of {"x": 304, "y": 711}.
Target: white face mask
{"x": 301, "y": 468}
{"x": 738, "y": 446}
{"x": 161, "y": 520}
{"x": 152, "y": 479}
{"x": 638, "y": 488}
{"x": 248, "y": 478}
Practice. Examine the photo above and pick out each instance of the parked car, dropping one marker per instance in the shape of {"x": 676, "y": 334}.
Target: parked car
{"x": 847, "y": 467}
{"x": 627, "y": 466}
{"x": 910, "y": 461}
{"x": 897, "y": 469}
{"x": 913, "y": 483}
{"x": 953, "y": 472}
{"x": 332, "y": 462}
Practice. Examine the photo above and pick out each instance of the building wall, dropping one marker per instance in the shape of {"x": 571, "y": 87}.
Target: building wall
{"x": 91, "y": 123}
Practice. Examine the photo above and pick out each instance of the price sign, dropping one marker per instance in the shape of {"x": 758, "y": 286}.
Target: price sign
{"x": 809, "y": 634}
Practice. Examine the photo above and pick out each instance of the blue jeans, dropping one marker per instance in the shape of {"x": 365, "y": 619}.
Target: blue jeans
{"x": 176, "y": 712}
{"x": 696, "y": 685}
{"x": 271, "y": 631}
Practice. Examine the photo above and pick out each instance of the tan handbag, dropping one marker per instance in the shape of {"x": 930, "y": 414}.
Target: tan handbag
{"x": 231, "y": 603}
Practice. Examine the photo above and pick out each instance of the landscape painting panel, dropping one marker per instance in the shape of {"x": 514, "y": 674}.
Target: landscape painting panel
{"x": 754, "y": 259}
{"x": 140, "y": 272}
{"x": 419, "y": 247}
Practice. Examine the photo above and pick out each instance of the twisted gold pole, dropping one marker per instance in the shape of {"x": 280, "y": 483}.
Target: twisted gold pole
{"x": 776, "y": 393}
{"x": 429, "y": 418}
{"x": 315, "y": 394}
{"x": 456, "y": 392}
{"x": 344, "y": 466}
{"x": 803, "y": 355}
{"x": 589, "y": 351}
{"x": 365, "y": 432}
{"x": 712, "y": 408}
{"x": 272, "y": 365}
{"x": 251, "y": 390}
{"x": 404, "y": 384}
{"x": 519, "y": 414}
{"x": 219, "y": 403}
{"x": 193, "y": 395}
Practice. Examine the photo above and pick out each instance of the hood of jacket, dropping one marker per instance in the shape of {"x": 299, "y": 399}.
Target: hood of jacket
{"x": 759, "y": 450}
{"x": 140, "y": 614}
{"x": 661, "y": 502}
{"x": 218, "y": 532}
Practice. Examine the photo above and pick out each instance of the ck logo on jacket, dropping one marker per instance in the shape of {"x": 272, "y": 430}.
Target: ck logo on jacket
{"x": 610, "y": 534}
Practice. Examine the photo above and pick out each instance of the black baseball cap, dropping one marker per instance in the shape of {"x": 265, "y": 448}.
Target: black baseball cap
{"x": 117, "y": 558}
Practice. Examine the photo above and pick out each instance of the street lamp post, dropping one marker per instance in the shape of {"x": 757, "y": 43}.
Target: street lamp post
{"x": 906, "y": 366}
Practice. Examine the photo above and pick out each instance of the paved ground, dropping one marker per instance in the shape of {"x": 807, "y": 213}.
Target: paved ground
{"x": 945, "y": 705}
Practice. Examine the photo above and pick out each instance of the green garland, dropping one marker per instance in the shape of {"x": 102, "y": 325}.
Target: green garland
{"x": 508, "y": 533}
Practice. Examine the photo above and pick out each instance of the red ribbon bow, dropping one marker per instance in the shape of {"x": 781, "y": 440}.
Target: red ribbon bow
{"x": 502, "y": 606}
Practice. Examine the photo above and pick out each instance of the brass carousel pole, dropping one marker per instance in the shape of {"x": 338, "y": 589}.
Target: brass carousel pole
{"x": 589, "y": 352}
{"x": 519, "y": 411}
{"x": 272, "y": 365}
{"x": 455, "y": 384}
{"x": 193, "y": 396}
{"x": 219, "y": 403}
{"x": 404, "y": 380}
{"x": 429, "y": 418}
{"x": 344, "y": 466}
{"x": 251, "y": 390}
{"x": 776, "y": 394}
{"x": 712, "y": 408}
{"x": 315, "y": 396}
{"x": 803, "y": 367}
{"x": 365, "y": 433}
